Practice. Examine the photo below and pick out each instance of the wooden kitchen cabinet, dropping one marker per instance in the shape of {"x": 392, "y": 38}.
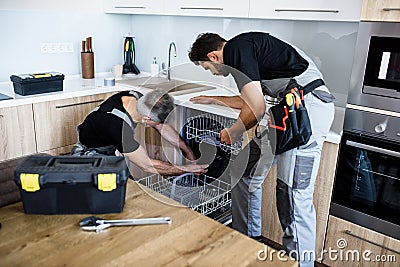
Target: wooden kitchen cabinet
{"x": 352, "y": 243}
{"x": 271, "y": 227}
{"x": 56, "y": 121}
{"x": 152, "y": 7}
{"x": 210, "y": 8}
{"x": 381, "y": 10}
{"x": 17, "y": 132}
{"x": 339, "y": 10}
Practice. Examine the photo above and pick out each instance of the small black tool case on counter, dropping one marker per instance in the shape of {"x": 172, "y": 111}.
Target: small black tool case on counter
{"x": 31, "y": 84}
{"x": 72, "y": 184}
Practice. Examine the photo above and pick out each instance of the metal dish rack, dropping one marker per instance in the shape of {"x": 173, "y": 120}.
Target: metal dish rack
{"x": 204, "y": 194}
{"x": 191, "y": 191}
{"x": 206, "y": 128}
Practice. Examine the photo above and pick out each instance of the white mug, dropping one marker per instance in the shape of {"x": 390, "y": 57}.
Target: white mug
{"x": 117, "y": 71}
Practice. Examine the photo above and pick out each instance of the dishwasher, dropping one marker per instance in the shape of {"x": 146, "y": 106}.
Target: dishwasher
{"x": 209, "y": 193}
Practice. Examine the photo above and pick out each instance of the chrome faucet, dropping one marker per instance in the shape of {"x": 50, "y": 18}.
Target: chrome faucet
{"x": 172, "y": 44}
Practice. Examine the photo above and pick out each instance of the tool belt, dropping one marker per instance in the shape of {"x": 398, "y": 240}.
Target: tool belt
{"x": 289, "y": 124}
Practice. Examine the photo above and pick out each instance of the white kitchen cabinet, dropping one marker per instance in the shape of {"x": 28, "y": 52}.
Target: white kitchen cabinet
{"x": 151, "y": 7}
{"x": 381, "y": 10}
{"x": 17, "y": 132}
{"x": 339, "y": 10}
{"x": 210, "y": 8}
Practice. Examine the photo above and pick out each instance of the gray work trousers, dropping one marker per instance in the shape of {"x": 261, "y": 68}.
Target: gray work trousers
{"x": 296, "y": 172}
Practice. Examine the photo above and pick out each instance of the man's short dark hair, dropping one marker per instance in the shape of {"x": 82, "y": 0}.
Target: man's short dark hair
{"x": 204, "y": 44}
{"x": 156, "y": 104}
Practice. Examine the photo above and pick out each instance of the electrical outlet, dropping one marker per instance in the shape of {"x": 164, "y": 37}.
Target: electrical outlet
{"x": 55, "y": 48}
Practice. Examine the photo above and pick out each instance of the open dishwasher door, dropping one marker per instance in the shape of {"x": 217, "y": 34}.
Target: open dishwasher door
{"x": 208, "y": 194}
{"x": 201, "y": 134}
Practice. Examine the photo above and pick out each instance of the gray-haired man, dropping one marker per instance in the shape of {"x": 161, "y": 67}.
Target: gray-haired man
{"x": 113, "y": 123}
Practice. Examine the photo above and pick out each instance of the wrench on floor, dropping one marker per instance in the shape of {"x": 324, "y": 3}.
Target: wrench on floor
{"x": 94, "y": 223}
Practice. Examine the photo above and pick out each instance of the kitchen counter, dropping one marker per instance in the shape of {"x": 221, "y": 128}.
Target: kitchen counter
{"x": 75, "y": 86}
{"x": 191, "y": 239}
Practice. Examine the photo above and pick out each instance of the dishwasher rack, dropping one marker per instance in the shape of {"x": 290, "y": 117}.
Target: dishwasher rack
{"x": 191, "y": 191}
{"x": 206, "y": 128}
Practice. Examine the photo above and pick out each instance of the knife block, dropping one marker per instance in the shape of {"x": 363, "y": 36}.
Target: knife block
{"x": 87, "y": 59}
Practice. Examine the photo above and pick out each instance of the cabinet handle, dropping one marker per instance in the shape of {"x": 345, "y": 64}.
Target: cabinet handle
{"x": 203, "y": 8}
{"x": 78, "y": 104}
{"x": 348, "y": 232}
{"x": 135, "y": 7}
{"x": 391, "y": 9}
{"x": 308, "y": 10}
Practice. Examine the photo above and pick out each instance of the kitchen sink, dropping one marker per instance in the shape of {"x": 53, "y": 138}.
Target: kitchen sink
{"x": 174, "y": 87}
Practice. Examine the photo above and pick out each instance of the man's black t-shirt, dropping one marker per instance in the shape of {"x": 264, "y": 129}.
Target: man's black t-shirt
{"x": 103, "y": 128}
{"x": 260, "y": 56}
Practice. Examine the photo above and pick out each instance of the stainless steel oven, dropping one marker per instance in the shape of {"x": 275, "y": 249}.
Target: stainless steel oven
{"x": 367, "y": 183}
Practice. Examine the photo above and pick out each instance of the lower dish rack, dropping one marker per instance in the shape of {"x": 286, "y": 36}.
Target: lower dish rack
{"x": 192, "y": 191}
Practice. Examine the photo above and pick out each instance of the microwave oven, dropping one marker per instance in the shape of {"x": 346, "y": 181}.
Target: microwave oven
{"x": 375, "y": 80}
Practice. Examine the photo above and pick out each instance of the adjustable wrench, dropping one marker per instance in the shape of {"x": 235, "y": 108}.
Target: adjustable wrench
{"x": 93, "y": 223}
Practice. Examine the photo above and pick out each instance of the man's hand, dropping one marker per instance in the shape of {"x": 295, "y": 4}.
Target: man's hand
{"x": 147, "y": 122}
{"x": 190, "y": 155}
{"x": 195, "y": 168}
{"x": 202, "y": 99}
{"x": 228, "y": 101}
{"x": 229, "y": 136}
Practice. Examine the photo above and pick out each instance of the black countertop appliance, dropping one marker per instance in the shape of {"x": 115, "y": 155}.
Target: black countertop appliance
{"x": 129, "y": 57}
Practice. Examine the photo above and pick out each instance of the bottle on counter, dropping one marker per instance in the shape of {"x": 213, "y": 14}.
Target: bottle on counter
{"x": 154, "y": 67}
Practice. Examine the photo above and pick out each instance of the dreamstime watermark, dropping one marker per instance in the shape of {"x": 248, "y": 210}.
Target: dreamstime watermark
{"x": 341, "y": 253}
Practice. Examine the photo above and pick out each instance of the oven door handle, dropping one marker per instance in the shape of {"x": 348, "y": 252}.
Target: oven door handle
{"x": 373, "y": 148}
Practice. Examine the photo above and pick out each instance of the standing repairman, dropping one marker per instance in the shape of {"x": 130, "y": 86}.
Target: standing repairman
{"x": 264, "y": 65}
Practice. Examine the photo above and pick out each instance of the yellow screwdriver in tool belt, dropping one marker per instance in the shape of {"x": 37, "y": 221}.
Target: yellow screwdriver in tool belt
{"x": 290, "y": 101}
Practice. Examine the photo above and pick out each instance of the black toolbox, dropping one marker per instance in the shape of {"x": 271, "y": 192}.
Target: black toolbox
{"x": 30, "y": 84}
{"x": 72, "y": 184}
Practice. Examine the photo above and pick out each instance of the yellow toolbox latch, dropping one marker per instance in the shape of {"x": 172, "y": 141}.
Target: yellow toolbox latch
{"x": 41, "y": 75}
{"x": 107, "y": 181}
{"x": 30, "y": 182}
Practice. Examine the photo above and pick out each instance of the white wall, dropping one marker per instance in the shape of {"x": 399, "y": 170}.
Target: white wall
{"x": 329, "y": 44}
{"x": 25, "y": 24}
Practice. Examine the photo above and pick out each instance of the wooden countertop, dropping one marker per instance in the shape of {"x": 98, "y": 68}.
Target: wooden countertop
{"x": 191, "y": 240}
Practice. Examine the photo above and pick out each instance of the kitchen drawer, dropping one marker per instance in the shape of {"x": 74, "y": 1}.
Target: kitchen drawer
{"x": 222, "y": 8}
{"x": 153, "y": 7}
{"x": 340, "y": 10}
{"x": 56, "y": 121}
{"x": 348, "y": 244}
{"x": 17, "y": 132}
{"x": 381, "y": 10}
